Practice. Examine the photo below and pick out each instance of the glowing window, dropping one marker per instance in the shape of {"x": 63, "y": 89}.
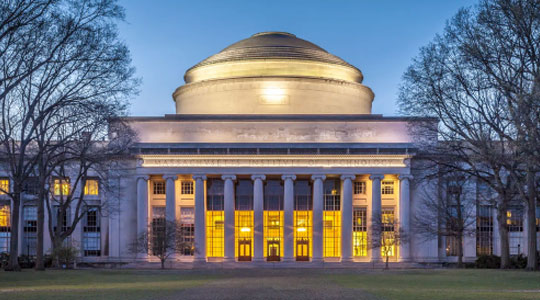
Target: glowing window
{"x": 186, "y": 188}
{"x": 5, "y": 228}
{"x": 187, "y": 225}
{"x": 388, "y": 242}
{"x": 158, "y": 187}
{"x": 273, "y": 233}
{"x": 215, "y": 219}
{"x": 4, "y": 186}
{"x": 61, "y": 187}
{"x": 360, "y": 232}
{"x": 332, "y": 225}
{"x": 359, "y": 188}
{"x": 243, "y": 233}
{"x": 91, "y": 187}
{"x": 303, "y": 230}
{"x": 387, "y": 188}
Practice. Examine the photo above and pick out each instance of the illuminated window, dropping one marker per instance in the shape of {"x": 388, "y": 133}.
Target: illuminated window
{"x": 91, "y": 187}
{"x": 61, "y": 187}
{"x": 484, "y": 230}
{"x": 215, "y": 219}
{"x": 29, "y": 229}
{"x": 359, "y": 187}
{"x": 5, "y": 228}
{"x": 332, "y": 219}
{"x": 158, "y": 233}
{"x": 186, "y": 188}
{"x": 158, "y": 187}
{"x": 387, "y": 188}
{"x": 4, "y": 186}
{"x": 360, "y": 231}
{"x": 388, "y": 242}
{"x": 92, "y": 232}
{"x": 187, "y": 226}
{"x": 243, "y": 234}
{"x": 303, "y": 218}
{"x": 273, "y": 220}
{"x": 514, "y": 222}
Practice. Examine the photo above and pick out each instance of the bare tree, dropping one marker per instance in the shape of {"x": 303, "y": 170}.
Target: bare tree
{"x": 386, "y": 235}
{"x": 55, "y": 56}
{"x": 162, "y": 240}
{"x": 480, "y": 79}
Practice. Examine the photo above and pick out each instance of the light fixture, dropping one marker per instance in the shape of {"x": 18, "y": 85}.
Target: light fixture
{"x": 301, "y": 229}
{"x": 245, "y": 229}
{"x": 274, "y": 95}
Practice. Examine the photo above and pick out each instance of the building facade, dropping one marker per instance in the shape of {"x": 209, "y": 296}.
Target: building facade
{"x": 273, "y": 156}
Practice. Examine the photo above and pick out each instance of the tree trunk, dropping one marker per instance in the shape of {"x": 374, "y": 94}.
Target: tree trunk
{"x": 460, "y": 251}
{"x": 162, "y": 263}
{"x": 503, "y": 234}
{"x": 13, "y": 263}
{"x": 532, "y": 263}
{"x": 40, "y": 265}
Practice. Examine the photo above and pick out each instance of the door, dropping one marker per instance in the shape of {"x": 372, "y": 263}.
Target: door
{"x": 302, "y": 250}
{"x": 273, "y": 251}
{"x": 244, "y": 250}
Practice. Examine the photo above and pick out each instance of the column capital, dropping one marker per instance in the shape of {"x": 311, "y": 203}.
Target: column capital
{"x": 143, "y": 177}
{"x": 288, "y": 176}
{"x": 405, "y": 177}
{"x": 376, "y": 176}
{"x": 348, "y": 176}
{"x": 228, "y": 176}
{"x": 198, "y": 176}
{"x": 318, "y": 176}
{"x": 170, "y": 176}
{"x": 258, "y": 176}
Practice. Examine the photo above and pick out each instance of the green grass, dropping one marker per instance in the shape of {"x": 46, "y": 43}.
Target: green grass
{"x": 270, "y": 283}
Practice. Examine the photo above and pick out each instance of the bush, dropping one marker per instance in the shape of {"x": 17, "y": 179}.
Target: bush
{"x": 65, "y": 256}
{"x": 518, "y": 262}
{"x": 4, "y": 258}
{"x": 27, "y": 261}
{"x": 488, "y": 262}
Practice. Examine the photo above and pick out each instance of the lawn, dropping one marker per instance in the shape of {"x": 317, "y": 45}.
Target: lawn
{"x": 270, "y": 284}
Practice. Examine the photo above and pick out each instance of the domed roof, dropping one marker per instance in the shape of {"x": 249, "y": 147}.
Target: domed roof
{"x": 267, "y": 45}
{"x": 274, "y": 52}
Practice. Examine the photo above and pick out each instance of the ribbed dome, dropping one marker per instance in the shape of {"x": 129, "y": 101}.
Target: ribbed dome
{"x": 273, "y": 54}
{"x": 268, "y": 45}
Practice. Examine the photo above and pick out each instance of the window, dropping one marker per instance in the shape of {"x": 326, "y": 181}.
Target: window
{"x": 215, "y": 217}
{"x": 186, "y": 188}
{"x": 65, "y": 218}
{"x": 360, "y": 246}
{"x": 61, "y": 187}
{"x": 388, "y": 231}
{"x": 5, "y": 228}
{"x": 91, "y": 187}
{"x": 332, "y": 220}
{"x": 484, "y": 230}
{"x": 29, "y": 229}
{"x": 538, "y": 218}
{"x": 273, "y": 220}
{"x": 4, "y": 186}
{"x": 158, "y": 229}
{"x": 31, "y": 186}
{"x": 187, "y": 225}
{"x": 514, "y": 221}
{"x": 159, "y": 187}
{"x": 452, "y": 246}
{"x": 92, "y": 232}
{"x": 359, "y": 188}
{"x": 387, "y": 188}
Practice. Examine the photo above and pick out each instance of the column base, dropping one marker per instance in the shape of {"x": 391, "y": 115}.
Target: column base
{"x": 317, "y": 260}
{"x": 288, "y": 259}
{"x": 229, "y": 259}
{"x": 347, "y": 259}
{"x": 199, "y": 260}
{"x": 259, "y": 259}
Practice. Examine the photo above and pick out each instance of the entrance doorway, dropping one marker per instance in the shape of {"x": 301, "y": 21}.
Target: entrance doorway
{"x": 244, "y": 250}
{"x": 302, "y": 250}
{"x": 273, "y": 251}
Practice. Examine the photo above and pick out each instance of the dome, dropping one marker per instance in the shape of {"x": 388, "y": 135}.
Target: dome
{"x": 273, "y": 73}
{"x": 269, "y": 51}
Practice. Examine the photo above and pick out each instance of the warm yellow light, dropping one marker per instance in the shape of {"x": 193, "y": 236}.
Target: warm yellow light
{"x": 245, "y": 229}
{"x": 301, "y": 229}
{"x": 274, "y": 95}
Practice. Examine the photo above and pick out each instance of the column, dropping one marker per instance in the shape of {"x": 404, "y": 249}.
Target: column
{"x": 258, "y": 217}
{"x": 229, "y": 216}
{"x": 170, "y": 197}
{"x": 375, "y": 214}
{"x": 405, "y": 216}
{"x": 104, "y": 234}
{"x": 288, "y": 217}
{"x": 142, "y": 209}
{"x": 200, "y": 219}
{"x": 346, "y": 217}
{"x": 318, "y": 201}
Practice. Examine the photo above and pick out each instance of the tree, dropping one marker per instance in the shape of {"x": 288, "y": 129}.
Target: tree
{"x": 162, "y": 240}
{"x": 451, "y": 213}
{"x": 55, "y": 55}
{"x": 385, "y": 235}
{"x": 480, "y": 78}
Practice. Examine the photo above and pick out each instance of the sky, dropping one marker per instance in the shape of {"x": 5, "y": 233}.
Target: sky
{"x": 380, "y": 37}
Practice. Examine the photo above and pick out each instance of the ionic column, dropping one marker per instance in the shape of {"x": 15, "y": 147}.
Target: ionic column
{"x": 258, "y": 216}
{"x": 288, "y": 217}
{"x": 170, "y": 197}
{"x": 229, "y": 216}
{"x": 200, "y": 219}
{"x": 375, "y": 214}
{"x": 346, "y": 217}
{"x": 405, "y": 216}
{"x": 318, "y": 201}
{"x": 142, "y": 209}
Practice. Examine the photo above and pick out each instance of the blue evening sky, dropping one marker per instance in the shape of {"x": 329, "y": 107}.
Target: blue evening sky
{"x": 380, "y": 37}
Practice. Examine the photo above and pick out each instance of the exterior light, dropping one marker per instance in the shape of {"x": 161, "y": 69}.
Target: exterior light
{"x": 301, "y": 229}
{"x": 274, "y": 95}
{"x": 245, "y": 229}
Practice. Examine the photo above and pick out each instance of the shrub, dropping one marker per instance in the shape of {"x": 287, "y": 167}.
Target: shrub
{"x": 488, "y": 262}
{"x": 518, "y": 262}
{"x": 65, "y": 256}
{"x": 27, "y": 261}
{"x": 4, "y": 258}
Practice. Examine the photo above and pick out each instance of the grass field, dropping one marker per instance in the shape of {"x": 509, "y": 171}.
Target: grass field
{"x": 270, "y": 284}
